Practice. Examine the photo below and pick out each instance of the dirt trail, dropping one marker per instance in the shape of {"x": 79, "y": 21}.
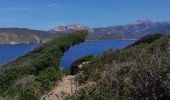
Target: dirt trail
{"x": 67, "y": 86}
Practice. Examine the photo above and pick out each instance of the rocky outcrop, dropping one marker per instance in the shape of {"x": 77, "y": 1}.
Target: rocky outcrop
{"x": 71, "y": 27}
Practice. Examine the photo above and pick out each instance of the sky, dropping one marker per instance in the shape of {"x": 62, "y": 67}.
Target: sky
{"x": 46, "y": 14}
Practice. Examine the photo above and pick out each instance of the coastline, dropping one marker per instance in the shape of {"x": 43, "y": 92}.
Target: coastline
{"x": 112, "y": 40}
{"x": 19, "y": 43}
{"x": 85, "y": 40}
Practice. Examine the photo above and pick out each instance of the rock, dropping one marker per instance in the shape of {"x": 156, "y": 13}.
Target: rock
{"x": 71, "y": 27}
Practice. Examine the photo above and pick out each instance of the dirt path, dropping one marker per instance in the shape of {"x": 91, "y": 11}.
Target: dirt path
{"x": 67, "y": 86}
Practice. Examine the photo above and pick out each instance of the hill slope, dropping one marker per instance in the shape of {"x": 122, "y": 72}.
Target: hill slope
{"x": 24, "y": 35}
{"x": 29, "y": 76}
{"x": 138, "y": 72}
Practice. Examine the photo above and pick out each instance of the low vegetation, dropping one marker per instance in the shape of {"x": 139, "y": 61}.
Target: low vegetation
{"x": 31, "y": 75}
{"x": 138, "y": 72}
{"x": 148, "y": 39}
{"x": 75, "y": 66}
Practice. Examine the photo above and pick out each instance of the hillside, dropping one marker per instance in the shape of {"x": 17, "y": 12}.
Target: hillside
{"x": 35, "y": 73}
{"x": 138, "y": 72}
{"x": 24, "y": 35}
{"x": 134, "y": 30}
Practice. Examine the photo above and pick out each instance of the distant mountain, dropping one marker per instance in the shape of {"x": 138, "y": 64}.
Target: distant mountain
{"x": 71, "y": 27}
{"x": 129, "y": 31}
{"x": 132, "y": 30}
{"x": 23, "y": 35}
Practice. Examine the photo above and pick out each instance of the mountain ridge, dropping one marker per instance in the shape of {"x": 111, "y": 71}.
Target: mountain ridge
{"x": 133, "y": 30}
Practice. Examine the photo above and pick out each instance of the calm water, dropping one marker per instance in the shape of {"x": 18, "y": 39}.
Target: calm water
{"x": 91, "y": 47}
{"x": 10, "y": 52}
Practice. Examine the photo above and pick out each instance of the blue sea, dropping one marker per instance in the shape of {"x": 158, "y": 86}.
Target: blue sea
{"x": 92, "y": 47}
{"x": 11, "y": 52}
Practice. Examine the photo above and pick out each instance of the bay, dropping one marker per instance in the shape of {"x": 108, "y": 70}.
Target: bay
{"x": 11, "y": 52}
{"x": 91, "y": 47}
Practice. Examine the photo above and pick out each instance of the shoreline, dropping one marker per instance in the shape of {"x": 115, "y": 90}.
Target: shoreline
{"x": 18, "y": 43}
{"x": 85, "y": 41}
{"x": 112, "y": 40}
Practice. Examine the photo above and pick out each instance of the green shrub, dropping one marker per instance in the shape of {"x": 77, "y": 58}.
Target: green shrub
{"x": 42, "y": 62}
{"x": 31, "y": 92}
{"x": 81, "y": 77}
{"x": 66, "y": 71}
{"x": 102, "y": 91}
{"x": 138, "y": 72}
{"x": 75, "y": 65}
{"x": 148, "y": 39}
{"x": 96, "y": 75}
{"x": 48, "y": 77}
